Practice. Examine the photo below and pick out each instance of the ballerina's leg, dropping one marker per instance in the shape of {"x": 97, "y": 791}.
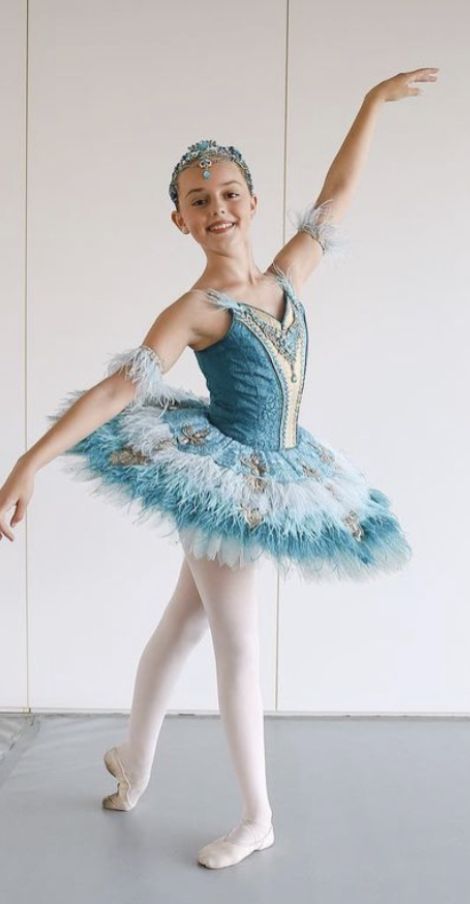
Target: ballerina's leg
{"x": 181, "y": 627}
{"x": 230, "y": 600}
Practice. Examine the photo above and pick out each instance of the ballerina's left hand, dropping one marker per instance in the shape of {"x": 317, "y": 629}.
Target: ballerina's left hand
{"x": 400, "y": 85}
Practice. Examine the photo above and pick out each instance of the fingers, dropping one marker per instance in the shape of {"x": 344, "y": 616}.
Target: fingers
{"x": 5, "y": 530}
{"x": 4, "y": 527}
{"x": 423, "y": 75}
{"x": 19, "y": 514}
{"x": 420, "y": 75}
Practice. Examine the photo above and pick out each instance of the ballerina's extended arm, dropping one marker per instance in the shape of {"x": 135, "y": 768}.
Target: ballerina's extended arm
{"x": 319, "y": 219}
{"x": 133, "y": 376}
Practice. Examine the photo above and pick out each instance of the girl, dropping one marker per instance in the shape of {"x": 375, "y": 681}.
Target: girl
{"x": 233, "y": 475}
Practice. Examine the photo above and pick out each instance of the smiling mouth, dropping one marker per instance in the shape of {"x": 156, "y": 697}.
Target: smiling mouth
{"x": 220, "y": 229}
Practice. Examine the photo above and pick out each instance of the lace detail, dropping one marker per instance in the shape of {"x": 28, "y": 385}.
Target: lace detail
{"x": 284, "y": 337}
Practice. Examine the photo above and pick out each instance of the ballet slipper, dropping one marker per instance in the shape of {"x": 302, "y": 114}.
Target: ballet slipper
{"x": 128, "y": 793}
{"x": 223, "y": 852}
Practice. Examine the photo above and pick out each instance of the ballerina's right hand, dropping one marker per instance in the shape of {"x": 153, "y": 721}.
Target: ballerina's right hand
{"x": 15, "y": 492}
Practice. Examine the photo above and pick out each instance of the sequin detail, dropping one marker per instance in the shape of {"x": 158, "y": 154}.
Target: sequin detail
{"x": 310, "y": 471}
{"x": 128, "y": 456}
{"x": 254, "y": 462}
{"x": 253, "y": 516}
{"x": 352, "y": 522}
{"x": 325, "y": 454}
{"x": 255, "y": 480}
{"x": 285, "y": 341}
{"x": 190, "y": 435}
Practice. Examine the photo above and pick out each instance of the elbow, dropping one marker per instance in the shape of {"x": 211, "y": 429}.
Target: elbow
{"x": 119, "y": 389}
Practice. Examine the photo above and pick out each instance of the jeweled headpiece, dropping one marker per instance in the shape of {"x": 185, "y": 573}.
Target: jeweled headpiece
{"x": 202, "y": 152}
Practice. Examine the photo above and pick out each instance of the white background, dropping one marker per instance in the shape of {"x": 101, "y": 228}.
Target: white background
{"x": 99, "y": 100}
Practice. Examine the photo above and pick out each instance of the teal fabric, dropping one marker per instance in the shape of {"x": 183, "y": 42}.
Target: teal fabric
{"x": 214, "y": 471}
{"x": 246, "y": 394}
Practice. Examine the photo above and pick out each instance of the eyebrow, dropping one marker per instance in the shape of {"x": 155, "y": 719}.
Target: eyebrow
{"x": 230, "y": 182}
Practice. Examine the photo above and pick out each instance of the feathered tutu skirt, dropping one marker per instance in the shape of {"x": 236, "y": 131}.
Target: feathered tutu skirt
{"x": 308, "y": 508}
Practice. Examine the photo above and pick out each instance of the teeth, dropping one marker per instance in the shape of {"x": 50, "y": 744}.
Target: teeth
{"x": 220, "y": 228}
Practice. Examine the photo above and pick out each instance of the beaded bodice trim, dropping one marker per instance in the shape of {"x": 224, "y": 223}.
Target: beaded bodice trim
{"x": 285, "y": 342}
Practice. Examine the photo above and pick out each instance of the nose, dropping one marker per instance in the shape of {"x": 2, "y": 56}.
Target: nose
{"x": 217, "y": 202}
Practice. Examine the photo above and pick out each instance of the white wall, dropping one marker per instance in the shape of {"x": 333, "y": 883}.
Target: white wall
{"x": 111, "y": 94}
{"x": 13, "y": 362}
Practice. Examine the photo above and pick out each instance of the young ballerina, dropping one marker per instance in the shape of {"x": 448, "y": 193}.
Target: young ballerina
{"x": 234, "y": 475}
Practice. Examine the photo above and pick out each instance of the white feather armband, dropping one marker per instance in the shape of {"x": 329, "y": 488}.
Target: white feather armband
{"x": 314, "y": 221}
{"x": 143, "y": 366}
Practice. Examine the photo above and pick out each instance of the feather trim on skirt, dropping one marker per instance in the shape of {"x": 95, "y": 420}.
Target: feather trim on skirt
{"x": 308, "y": 508}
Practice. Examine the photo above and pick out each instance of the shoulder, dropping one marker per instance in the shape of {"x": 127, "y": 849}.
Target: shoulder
{"x": 187, "y": 308}
{"x": 196, "y": 311}
{"x": 192, "y": 306}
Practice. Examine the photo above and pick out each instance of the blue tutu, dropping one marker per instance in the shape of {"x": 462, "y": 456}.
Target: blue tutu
{"x": 233, "y": 475}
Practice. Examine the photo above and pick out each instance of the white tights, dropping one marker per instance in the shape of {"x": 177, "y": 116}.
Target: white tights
{"x": 214, "y": 595}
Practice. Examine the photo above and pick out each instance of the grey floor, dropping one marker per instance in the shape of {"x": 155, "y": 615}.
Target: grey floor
{"x": 365, "y": 810}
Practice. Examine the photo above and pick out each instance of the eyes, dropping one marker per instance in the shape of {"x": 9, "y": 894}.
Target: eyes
{"x": 230, "y": 193}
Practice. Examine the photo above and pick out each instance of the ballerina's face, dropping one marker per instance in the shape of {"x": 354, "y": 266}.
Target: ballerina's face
{"x": 223, "y": 199}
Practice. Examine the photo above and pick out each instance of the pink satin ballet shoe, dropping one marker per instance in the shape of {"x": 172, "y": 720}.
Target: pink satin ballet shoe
{"x": 127, "y": 794}
{"x": 221, "y": 852}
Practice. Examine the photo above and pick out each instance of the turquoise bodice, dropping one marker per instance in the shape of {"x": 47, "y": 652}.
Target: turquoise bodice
{"x": 255, "y": 374}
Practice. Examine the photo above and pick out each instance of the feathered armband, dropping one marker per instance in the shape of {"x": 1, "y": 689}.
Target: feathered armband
{"x": 314, "y": 221}
{"x": 143, "y": 366}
